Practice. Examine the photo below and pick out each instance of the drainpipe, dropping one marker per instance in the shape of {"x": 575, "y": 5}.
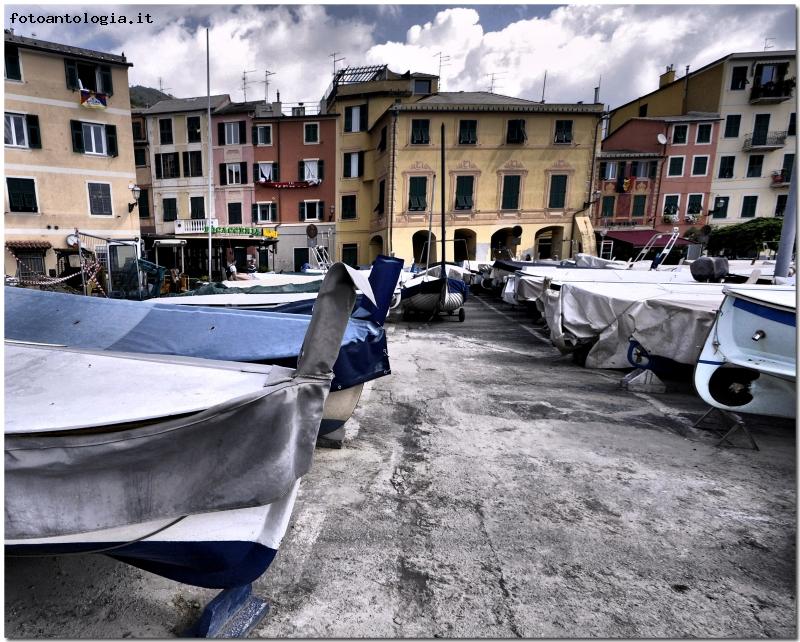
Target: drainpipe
{"x": 393, "y": 163}
{"x": 686, "y": 91}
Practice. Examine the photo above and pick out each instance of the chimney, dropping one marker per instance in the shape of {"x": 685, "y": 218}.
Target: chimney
{"x": 667, "y": 77}
{"x": 596, "y": 95}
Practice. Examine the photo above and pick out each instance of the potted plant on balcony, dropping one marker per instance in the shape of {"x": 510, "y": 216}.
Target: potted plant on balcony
{"x": 670, "y": 214}
{"x": 778, "y": 177}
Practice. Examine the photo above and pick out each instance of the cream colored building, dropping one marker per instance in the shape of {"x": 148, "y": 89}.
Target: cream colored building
{"x": 68, "y": 151}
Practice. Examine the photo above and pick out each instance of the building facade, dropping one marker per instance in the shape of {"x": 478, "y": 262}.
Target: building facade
{"x": 68, "y": 152}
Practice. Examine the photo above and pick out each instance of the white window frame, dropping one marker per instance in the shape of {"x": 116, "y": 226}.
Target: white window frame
{"x": 672, "y": 138}
{"x": 92, "y": 125}
{"x": 697, "y": 134}
{"x": 306, "y": 161}
{"x": 708, "y": 162}
{"x": 611, "y": 175}
{"x": 36, "y": 192}
{"x": 316, "y": 209}
{"x": 89, "y": 199}
{"x": 235, "y": 125}
{"x": 683, "y": 166}
{"x": 23, "y": 118}
{"x": 664, "y": 204}
{"x": 355, "y": 119}
{"x": 233, "y": 169}
{"x": 702, "y": 203}
{"x": 311, "y": 142}
{"x": 259, "y": 164}
{"x": 353, "y": 157}
{"x": 272, "y": 207}
{"x": 643, "y": 169}
{"x": 258, "y": 135}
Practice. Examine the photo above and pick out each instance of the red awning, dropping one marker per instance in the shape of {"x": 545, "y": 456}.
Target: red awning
{"x": 28, "y": 245}
{"x": 640, "y": 238}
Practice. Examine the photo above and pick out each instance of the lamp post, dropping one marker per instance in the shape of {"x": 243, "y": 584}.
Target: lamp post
{"x": 136, "y": 191}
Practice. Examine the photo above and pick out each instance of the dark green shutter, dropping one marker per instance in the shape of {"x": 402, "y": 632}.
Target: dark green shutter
{"x": 634, "y": 168}
{"x": 158, "y": 166}
{"x": 242, "y": 132}
{"x": 105, "y": 80}
{"x": 603, "y": 166}
{"x": 360, "y": 163}
{"x": 348, "y": 119}
{"x": 76, "y": 127}
{"x": 186, "y": 164}
{"x": 558, "y": 192}
{"x": 302, "y": 211}
{"x": 34, "y": 133}
{"x": 275, "y": 175}
{"x": 144, "y": 204}
{"x": 223, "y": 174}
{"x": 321, "y": 210}
{"x": 301, "y": 171}
{"x": 243, "y": 170}
{"x": 620, "y": 176}
{"x": 220, "y": 133}
{"x": 362, "y": 121}
{"x": 22, "y": 194}
{"x": 639, "y": 202}
{"x": 653, "y": 170}
{"x": 254, "y": 212}
{"x": 111, "y": 140}
{"x": 347, "y": 165}
{"x": 13, "y": 69}
{"x": 254, "y": 134}
{"x": 256, "y": 173}
{"x": 320, "y": 169}
{"x": 71, "y": 69}
{"x": 510, "y": 193}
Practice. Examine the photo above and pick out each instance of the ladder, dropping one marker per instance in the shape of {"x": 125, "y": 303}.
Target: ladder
{"x": 321, "y": 254}
{"x": 662, "y": 255}
{"x": 607, "y": 249}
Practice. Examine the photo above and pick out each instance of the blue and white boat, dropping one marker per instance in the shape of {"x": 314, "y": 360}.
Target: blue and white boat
{"x": 748, "y": 362}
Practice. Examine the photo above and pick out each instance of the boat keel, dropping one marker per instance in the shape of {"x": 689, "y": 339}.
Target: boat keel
{"x": 233, "y": 613}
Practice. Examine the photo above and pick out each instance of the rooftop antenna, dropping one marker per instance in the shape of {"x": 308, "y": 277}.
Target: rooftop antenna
{"x": 161, "y": 87}
{"x": 335, "y": 60}
{"x": 443, "y": 62}
{"x": 544, "y": 84}
{"x": 245, "y": 82}
{"x": 767, "y": 44}
{"x": 493, "y": 75}
{"x": 267, "y": 74}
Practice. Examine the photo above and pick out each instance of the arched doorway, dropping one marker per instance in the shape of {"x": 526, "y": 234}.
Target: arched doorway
{"x": 375, "y": 247}
{"x": 503, "y": 242}
{"x": 419, "y": 243}
{"x": 464, "y": 245}
{"x": 548, "y": 243}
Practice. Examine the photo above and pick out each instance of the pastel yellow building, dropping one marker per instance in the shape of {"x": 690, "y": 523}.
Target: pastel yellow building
{"x": 68, "y": 151}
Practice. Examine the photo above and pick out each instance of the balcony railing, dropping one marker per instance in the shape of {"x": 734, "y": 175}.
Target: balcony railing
{"x": 765, "y": 141}
{"x": 194, "y": 225}
{"x": 772, "y": 92}
{"x": 780, "y": 178}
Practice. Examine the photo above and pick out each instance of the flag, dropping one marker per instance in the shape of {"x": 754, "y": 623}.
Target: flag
{"x": 93, "y": 100}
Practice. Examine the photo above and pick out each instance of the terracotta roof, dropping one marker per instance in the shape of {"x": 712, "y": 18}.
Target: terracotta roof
{"x": 28, "y": 245}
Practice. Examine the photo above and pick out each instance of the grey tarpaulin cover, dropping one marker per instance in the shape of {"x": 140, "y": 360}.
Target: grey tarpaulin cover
{"x": 245, "y": 451}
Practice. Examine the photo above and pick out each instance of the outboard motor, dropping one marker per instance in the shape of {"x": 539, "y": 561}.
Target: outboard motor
{"x": 709, "y": 269}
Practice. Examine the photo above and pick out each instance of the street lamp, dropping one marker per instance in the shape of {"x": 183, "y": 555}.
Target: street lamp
{"x": 136, "y": 191}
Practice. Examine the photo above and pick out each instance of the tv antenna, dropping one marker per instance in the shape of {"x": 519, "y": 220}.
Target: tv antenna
{"x": 494, "y": 75}
{"x": 544, "y": 84}
{"x": 335, "y": 60}
{"x": 267, "y": 74}
{"x": 444, "y": 61}
{"x": 161, "y": 87}
{"x": 246, "y": 82}
{"x": 767, "y": 44}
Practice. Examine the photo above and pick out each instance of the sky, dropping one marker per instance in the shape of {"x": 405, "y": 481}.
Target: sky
{"x": 506, "y": 48}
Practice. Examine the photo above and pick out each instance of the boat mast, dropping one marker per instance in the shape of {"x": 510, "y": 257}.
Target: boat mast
{"x": 444, "y": 269}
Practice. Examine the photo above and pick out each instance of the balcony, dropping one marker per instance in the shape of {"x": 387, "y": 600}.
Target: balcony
{"x": 194, "y": 225}
{"x": 781, "y": 178}
{"x": 772, "y": 92}
{"x": 765, "y": 141}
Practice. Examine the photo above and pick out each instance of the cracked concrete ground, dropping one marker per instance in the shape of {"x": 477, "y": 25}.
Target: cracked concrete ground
{"x": 491, "y": 488}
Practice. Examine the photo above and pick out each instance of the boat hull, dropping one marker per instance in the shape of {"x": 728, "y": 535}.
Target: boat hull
{"x": 431, "y": 296}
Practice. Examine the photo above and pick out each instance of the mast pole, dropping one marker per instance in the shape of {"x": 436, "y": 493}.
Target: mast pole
{"x": 443, "y": 198}
{"x": 210, "y": 209}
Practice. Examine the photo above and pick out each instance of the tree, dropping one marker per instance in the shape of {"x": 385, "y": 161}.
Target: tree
{"x": 744, "y": 240}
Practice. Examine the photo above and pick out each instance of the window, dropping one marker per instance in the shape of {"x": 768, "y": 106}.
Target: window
{"x": 420, "y": 134}
{"x": 170, "y": 208}
{"x": 311, "y": 133}
{"x": 754, "y": 165}
{"x": 643, "y": 110}
{"x": 640, "y": 169}
{"x": 100, "y": 199}
{"x": 558, "y": 192}
{"x": 22, "y": 195}
{"x": 85, "y": 75}
{"x": 31, "y": 263}
{"x": 265, "y": 212}
{"x": 738, "y": 78}
{"x": 699, "y": 165}
{"x": 732, "y": 124}
{"x": 675, "y": 167}
{"x": 792, "y": 131}
{"x": 140, "y": 156}
{"x": 780, "y": 204}
{"x": 310, "y": 170}
{"x": 94, "y": 140}
{"x": 233, "y": 173}
{"x": 721, "y": 206}
{"x": 16, "y": 134}
{"x": 694, "y": 205}
{"x": 234, "y": 213}
{"x": 381, "y": 206}
{"x": 193, "y": 163}
{"x": 749, "y": 206}
{"x": 197, "y": 207}
{"x": 788, "y": 165}
{"x": 671, "y": 204}
{"x": 312, "y": 210}
{"x": 563, "y": 132}
{"x": 417, "y": 193}
{"x": 726, "y": 165}
{"x": 703, "y": 134}
{"x": 353, "y": 165}
{"x": 679, "y": 134}
{"x": 464, "y": 187}
{"x": 165, "y": 131}
{"x": 510, "y": 200}
{"x": 382, "y": 141}
{"x": 422, "y": 86}
{"x": 262, "y": 134}
{"x": 355, "y": 118}
{"x": 639, "y": 205}
{"x": 13, "y": 68}
{"x": 348, "y": 207}
{"x": 138, "y": 130}
{"x": 608, "y": 206}
{"x": 167, "y": 165}
{"x": 193, "y": 129}
{"x": 467, "y": 132}
{"x": 231, "y": 133}
{"x": 266, "y": 172}
{"x": 350, "y": 254}
{"x": 608, "y": 171}
{"x": 144, "y": 204}
{"x": 515, "y": 133}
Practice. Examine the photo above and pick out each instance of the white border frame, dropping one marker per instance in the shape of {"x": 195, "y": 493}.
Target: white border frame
{"x": 708, "y": 162}
{"x": 683, "y": 167}
{"x": 319, "y": 133}
{"x": 239, "y": 167}
{"x": 697, "y": 133}
{"x": 7, "y": 203}
{"x": 89, "y": 199}
{"x": 270, "y": 222}
{"x": 316, "y": 218}
{"x": 673, "y": 127}
{"x": 224, "y": 142}
{"x": 24, "y": 126}
{"x": 664, "y": 205}
{"x": 270, "y": 143}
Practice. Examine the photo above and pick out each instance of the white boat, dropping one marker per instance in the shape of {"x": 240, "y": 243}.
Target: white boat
{"x": 748, "y": 362}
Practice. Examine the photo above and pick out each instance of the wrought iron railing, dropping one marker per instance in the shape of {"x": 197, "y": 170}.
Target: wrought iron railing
{"x": 781, "y": 89}
{"x": 767, "y": 139}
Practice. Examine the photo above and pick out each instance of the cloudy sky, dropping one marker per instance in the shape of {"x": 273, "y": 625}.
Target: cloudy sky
{"x": 509, "y": 48}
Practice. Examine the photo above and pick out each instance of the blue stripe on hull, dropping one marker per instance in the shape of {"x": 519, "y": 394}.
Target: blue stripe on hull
{"x": 766, "y": 312}
{"x": 214, "y": 565}
{"x": 329, "y": 425}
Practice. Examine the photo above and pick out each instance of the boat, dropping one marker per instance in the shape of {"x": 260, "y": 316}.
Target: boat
{"x": 748, "y": 362}
{"x": 434, "y": 293}
{"x": 184, "y": 467}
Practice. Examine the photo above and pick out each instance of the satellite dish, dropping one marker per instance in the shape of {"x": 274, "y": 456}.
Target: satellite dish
{"x": 662, "y": 139}
{"x": 311, "y": 231}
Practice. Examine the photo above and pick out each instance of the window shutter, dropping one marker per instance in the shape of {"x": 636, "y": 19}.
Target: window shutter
{"x": 34, "y": 133}
{"x": 320, "y": 169}
{"x": 301, "y": 171}
{"x": 71, "y": 69}
{"x": 275, "y": 176}
{"x": 620, "y": 176}
{"x": 256, "y": 173}
{"x": 158, "y": 166}
{"x": 558, "y": 191}
{"x": 653, "y": 169}
{"x": 242, "y": 132}
{"x": 186, "y": 164}
{"x": 13, "y": 71}
{"x": 302, "y": 211}
{"x": 603, "y": 166}
{"x": 321, "y": 210}
{"x": 634, "y": 168}
{"x": 348, "y": 119}
{"x": 111, "y": 140}
{"x": 254, "y": 212}
{"x": 77, "y": 136}
{"x": 254, "y": 134}
{"x": 360, "y": 163}
{"x": 220, "y": 133}
{"x": 243, "y": 170}
{"x": 105, "y": 80}
{"x": 223, "y": 174}
{"x": 362, "y": 118}
{"x": 346, "y": 169}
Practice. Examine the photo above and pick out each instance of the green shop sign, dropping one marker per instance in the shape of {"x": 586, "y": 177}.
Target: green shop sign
{"x": 245, "y": 231}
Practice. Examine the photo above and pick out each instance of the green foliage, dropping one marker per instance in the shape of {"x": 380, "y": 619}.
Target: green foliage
{"x": 744, "y": 240}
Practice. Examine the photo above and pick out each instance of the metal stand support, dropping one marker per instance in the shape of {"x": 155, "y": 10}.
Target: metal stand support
{"x": 736, "y": 423}
{"x": 640, "y": 380}
{"x": 232, "y": 614}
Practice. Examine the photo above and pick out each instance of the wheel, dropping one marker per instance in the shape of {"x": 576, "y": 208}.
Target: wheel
{"x": 462, "y": 315}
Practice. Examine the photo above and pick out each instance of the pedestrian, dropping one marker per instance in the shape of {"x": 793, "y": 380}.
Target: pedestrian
{"x": 251, "y": 268}
{"x": 232, "y": 271}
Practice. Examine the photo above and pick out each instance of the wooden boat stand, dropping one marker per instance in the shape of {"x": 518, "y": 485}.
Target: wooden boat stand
{"x": 731, "y": 421}
{"x": 233, "y": 613}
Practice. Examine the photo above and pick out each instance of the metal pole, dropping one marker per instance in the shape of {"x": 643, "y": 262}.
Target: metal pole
{"x": 211, "y": 205}
{"x": 80, "y": 261}
{"x": 443, "y": 199}
{"x": 789, "y": 229}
